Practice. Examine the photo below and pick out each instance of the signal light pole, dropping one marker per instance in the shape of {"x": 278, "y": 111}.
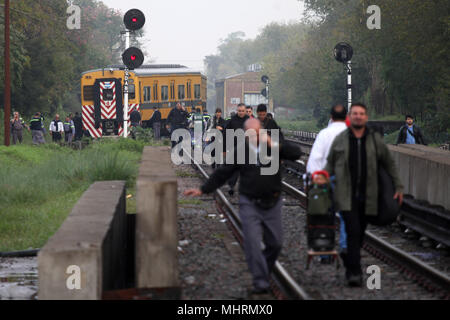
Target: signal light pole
{"x": 7, "y": 89}
{"x": 132, "y": 57}
{"x": 343, "y": 53}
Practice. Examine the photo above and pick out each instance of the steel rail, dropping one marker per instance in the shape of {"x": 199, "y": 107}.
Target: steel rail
{"x": 289, "y": 287}
{"x": 377, "y": 246}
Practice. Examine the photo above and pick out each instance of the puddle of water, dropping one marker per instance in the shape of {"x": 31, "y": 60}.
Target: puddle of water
{"x": 18, "y": 278}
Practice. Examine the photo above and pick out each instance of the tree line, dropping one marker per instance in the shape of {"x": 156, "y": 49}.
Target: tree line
{"x": 47, "y": 58}
{"x": 398, "y": 69}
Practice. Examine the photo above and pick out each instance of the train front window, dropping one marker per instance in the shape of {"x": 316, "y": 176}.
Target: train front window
{"x": 181, "y": 92}
{"x": 197, "y": 91}
{"x": 88, "y": 93}
{"x": 108, "y": 94}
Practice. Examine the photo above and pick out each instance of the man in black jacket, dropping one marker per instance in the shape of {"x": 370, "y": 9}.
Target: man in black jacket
{"x": 155, "y": 120}
{"x": 410, "y": 133}
{"x": 266, "y": 121}
{"x": 260, "y": 204}
{"x": 236, "y": 122}
{"x": 177, "y": 119}
{"x": 218, "y": 123}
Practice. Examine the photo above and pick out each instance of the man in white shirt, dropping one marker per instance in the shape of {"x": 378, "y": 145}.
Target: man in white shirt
{"x": 56, "y": 129}
{"x": 318, "y": 157}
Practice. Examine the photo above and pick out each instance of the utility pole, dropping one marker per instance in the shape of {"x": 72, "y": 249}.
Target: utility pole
{"x": 7, "y": 88}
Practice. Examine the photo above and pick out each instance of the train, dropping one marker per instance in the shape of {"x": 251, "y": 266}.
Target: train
{"x": 150, "y": 86}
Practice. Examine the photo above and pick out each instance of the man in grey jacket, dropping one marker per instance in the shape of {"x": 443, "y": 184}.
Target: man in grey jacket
{"x": 353, "y": 159}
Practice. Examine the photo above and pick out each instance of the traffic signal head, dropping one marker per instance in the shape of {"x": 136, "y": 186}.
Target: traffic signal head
{"x": 133, "y": 58}
{"x": 264, "y": 79}
{"x": 343, "y": 52}
{"x": 134, "y": 19}
{"x": 264, "y": 92}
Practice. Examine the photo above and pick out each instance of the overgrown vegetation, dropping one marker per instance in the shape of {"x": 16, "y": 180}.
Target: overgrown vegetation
{"x": 397, "y": 70}
{"x": 47, "y": 58}
{"x": 40, "y": 185}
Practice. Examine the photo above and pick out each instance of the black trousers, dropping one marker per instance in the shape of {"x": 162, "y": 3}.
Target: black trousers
{"x": 56, "y": 136}
{"x": 355, "y": 226}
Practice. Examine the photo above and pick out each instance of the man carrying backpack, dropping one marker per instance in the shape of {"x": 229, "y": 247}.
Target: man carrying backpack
{"x": 410, "y": 133}
{"x": 56, "y": 129}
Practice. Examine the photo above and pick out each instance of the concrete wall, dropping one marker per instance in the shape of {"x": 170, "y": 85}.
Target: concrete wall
{"x": 156, "y": 221}
{"x": 425, "y": 172}
{"x": 93, "y": 237}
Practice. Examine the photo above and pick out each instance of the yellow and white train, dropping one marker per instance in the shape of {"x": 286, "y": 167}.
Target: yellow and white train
{"x": 150, "y": 86}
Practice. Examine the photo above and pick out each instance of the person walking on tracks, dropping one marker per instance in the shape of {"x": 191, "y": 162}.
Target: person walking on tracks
{"x": 155, "y": 120}
{"x": 56, "y": 129}
{"x": 177, "y": 119}
{"x": 17, "y": 125}
{"x": 36, "y": 128}
{"x": 260, "y": 204}
{"x": 410, "y": 133}
{"x": 354, "y": 157}
{"x": 317, "y": 159}
{"x": 236, "y": 122}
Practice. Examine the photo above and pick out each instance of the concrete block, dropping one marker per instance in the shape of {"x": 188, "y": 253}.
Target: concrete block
{"x": 92, "y": 238}
{"x": 425, "y": 172}
{"x": 156, "y": 221}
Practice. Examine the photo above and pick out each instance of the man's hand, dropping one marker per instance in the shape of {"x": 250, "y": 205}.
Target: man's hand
{"x": 399, "y": 195}
{"x": 219, "y": 128}
{"x": 193, "y": 192}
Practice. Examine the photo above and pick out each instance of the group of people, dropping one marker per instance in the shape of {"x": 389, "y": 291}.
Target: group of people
{"x": 71, "y": 129}
{"x": 350, "y": 154}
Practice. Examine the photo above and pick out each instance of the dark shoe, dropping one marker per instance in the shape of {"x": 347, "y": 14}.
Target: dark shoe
{"x": 354, "y": 280}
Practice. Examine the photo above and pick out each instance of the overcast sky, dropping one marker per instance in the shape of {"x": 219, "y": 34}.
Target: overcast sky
{"x": 185, "y": 31}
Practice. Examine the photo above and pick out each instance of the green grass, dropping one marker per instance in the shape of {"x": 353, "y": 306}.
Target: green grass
{"x": 40, "y": 185}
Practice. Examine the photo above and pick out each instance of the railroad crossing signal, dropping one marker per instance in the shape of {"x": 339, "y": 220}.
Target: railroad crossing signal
{"x": 134, "y": 19}
{"x": 133, "y": 57}
{"x": 265, "y": 91}
{"x": 343, "y": 52}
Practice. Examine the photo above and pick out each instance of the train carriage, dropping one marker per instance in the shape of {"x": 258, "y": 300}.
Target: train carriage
{"x": 150, "y": 86}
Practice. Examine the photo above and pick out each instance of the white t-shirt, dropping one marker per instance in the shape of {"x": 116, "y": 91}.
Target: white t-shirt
{"x": 318, "y": 158}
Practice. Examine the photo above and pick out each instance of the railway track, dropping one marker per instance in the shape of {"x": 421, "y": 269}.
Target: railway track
{"x": 283, "y": 284}
{"x": 431, "y": 278}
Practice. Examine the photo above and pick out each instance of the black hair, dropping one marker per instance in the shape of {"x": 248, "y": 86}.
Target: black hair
{"x": 358, "y": 104}
{"x": 338, "y": 115}
{"x": 409, "y": 116}
{"x": 218, "y": 110}
{"x": 261, "y": 108}
{"x": 241, "y": 104}
{"x": 249, "y": 107}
